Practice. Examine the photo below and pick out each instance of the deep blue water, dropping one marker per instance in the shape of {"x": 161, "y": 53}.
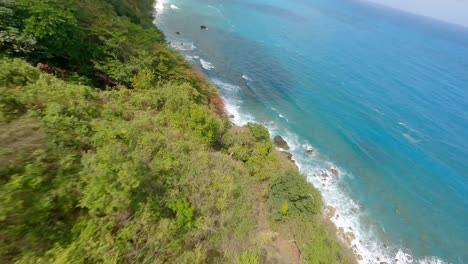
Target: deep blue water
{"x": 379, "y": 94}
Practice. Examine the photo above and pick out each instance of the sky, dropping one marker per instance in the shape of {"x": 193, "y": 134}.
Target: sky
{"x": 452, "y": 11}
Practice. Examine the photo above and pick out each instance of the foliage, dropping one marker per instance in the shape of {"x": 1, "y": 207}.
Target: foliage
{"x": 12, "y": 40}
{"x": 292, "y": 189}
{"x": 249, "y": 257}
{"x": 146, "y": 169}
{"x": 322, "y": 248}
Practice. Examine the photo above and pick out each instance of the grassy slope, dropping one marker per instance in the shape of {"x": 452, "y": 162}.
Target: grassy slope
{"x": 151, "y": 174}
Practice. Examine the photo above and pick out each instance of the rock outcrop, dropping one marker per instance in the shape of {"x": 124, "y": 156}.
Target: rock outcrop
{"x": 289, "y": 155}
{"x": 329, "y": 211}
{"x": 334, "y": 171}
{"x": 280, "y": 142}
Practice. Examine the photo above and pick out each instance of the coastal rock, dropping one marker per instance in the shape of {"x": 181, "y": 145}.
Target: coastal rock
{"x": 309, "y": 151}
{"x": 177, "y": 32}
{"x": 334, "y": 171}
{"x": 289, "y": 155}
{"x": 280, "y": 142}
{"x": 329, "y": 211}
{"x": 203, "y": 27}
{"x": 324, "y": 173}
{"x": 231, "y": 116}
{"x": 348, "y": 237}
{"x": 359, "y": 257}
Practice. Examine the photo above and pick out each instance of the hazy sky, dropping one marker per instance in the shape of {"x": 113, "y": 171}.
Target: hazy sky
{"x": 453, "y": 11}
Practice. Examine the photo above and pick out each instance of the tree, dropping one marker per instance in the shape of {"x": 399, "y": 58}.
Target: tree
{"x": 12, "y": 40}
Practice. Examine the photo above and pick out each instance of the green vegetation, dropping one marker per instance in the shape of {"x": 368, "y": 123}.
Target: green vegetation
{"x": 114, "y": 150}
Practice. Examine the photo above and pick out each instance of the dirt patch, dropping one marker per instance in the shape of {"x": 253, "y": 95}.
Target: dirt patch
{"x": 280, "y": 249}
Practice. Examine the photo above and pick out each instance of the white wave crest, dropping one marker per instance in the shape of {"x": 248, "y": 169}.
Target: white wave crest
{"x": 183, "y": 46}
{"x": 206, "y": 64}
{"x": 245, "y": 77}
{"x": 174, "y": 7}
{"x": 280, "y": 115}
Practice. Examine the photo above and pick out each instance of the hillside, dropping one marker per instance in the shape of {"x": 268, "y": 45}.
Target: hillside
{"x": 114, "y": 150}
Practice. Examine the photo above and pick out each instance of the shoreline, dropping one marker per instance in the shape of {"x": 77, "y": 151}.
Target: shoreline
{"x": 365, "y": 248}
{"x": 231, "y": 110}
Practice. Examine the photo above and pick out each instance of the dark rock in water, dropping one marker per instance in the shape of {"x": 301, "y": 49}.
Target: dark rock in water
{"x": 231, "y": 116}
{"x": 203, "y": 27}
{"x": 280, "y": 142}
{"x": 309, "y": 151}
{"x": 178, "y": 33}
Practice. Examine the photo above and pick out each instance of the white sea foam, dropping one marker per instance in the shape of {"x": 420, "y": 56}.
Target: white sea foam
{"x": 225, "y": 87}
{"x": 159, "y": 6}
{"x": 245, "y": 77}
{"x": 239, "y": 118}
{"x": 174, "y": 7}
{"x": 191, "y": 58}
{"x": 206, "y": 64}
{"x": 232, "y": 102}
{"x": 350, "y": 215}
{"x": 183, "y": 46}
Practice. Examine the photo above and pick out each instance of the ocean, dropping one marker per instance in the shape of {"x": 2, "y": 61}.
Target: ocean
{"x": 378, "y": 94}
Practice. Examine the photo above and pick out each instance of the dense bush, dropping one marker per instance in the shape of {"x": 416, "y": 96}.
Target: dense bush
{"x": 114, "y": 175}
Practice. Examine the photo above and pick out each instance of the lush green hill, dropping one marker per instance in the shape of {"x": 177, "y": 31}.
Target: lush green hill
{"x": 113, "y": 149}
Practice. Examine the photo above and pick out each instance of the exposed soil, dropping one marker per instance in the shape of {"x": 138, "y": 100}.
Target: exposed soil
{"x": 280, "y": 249}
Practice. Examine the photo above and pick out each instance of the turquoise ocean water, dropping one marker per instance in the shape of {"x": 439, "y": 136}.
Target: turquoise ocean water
{"x": 378, "y": 94}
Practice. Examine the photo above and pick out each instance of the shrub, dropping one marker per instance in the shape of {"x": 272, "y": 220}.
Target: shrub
{"x": 292, "y": 188}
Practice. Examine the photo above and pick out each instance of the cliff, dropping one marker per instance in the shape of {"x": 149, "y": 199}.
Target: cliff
{"x": 113, "y": 149}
